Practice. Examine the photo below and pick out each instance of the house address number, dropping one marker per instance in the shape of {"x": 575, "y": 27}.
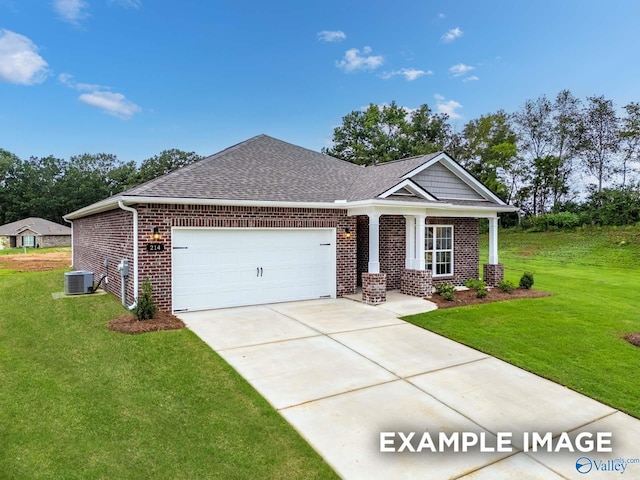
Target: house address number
{"x": 155, "y": 247}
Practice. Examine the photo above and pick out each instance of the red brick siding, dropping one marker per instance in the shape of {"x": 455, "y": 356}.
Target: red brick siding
{"x": 374, "y": 288}
{"x": 493, "y": 274}
{"x": 393, "y": 237}
{"x": 465, "y": 249}
{"x": 157, "y": 265}
{"x": 103, "y": 236}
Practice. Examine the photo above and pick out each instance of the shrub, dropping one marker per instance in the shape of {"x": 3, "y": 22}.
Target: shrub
{"x": 447, "y": 290}
{"x": 145, "y": 309}
{"x": 506, "y": 286}
{"x": 480, "y": 286}
{"x": 526, "y": 281}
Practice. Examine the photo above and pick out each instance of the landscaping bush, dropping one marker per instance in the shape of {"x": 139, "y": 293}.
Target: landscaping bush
{"x": 506, "y": 286}
{"x": 480, "y": 286}
{"x": 145, "y": 309}
{"x": 526, "y": 281}
{"x": 447, "y": 291}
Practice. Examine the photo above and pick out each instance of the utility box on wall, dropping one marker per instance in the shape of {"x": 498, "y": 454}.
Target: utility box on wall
{"x": 78, "y": 282}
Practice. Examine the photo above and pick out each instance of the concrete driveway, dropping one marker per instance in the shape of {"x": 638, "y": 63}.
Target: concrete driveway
{"x": 342, "y": 372}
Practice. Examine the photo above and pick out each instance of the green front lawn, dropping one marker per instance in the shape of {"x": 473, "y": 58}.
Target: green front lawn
{"x": 78, "y": 401}
{"x": 574, "y": 337}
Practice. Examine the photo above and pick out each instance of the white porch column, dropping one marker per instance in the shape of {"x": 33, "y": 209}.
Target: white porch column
{"x": 493, "y": 240}
{"x": 410, "y": 258}
{"x": 420, "y": 234}
{"x": 374, "y": 242}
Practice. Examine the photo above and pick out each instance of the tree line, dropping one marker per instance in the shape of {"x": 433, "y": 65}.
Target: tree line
{"x": 552, "y": 155}
{"x": 51, "y": 187}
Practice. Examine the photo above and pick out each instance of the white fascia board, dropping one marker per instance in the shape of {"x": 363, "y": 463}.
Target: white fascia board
{"x": 132, "y": 200}
{"x": 409, "y": 185}
{"x": 461, "y": 173}
{"x": 393, "y": 207}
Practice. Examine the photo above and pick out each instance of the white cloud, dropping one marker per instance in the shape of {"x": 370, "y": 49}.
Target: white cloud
{"x": 127, "y": 3}
{"x": 441, "y": 16}
{"x": 19, "y": 60}
{"x": 470, "y": 78}
{"x": 331, "y": 36}
{"x": 410, "y": 74}
{"x": 354, "y": 61}
{"x": 99, "y": 96}
{"x": 112, "y": 103}
{"x": 447, "y": 106}
{"x": 460, "y": 69}
{"x": 71, "y": 11}
{"x": 451, "y": 35}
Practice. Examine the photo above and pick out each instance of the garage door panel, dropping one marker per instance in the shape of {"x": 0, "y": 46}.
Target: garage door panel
{"x": 232, "y": 267}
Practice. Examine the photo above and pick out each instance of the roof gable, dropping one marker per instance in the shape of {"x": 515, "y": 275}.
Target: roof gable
{"x": 448, "y": 180}
{"x": 39, "y": 226}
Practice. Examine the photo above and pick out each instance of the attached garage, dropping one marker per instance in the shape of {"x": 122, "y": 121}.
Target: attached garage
{"x": 220, "y": 267}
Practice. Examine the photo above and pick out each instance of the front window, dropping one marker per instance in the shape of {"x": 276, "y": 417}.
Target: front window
{"x": 438, "y": 249}
{"x": 29, "y": 241}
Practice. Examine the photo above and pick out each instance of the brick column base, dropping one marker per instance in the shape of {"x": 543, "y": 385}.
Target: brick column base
{"x": 374, "y": 288}
{"x": 417, "y": 283}
{"x": 493, "y": 274}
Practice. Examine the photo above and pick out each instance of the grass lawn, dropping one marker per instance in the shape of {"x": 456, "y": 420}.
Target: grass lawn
{"x": 80, "y": 402}
{"x": 574, "y": 337}
{"x": 14, "y": 251}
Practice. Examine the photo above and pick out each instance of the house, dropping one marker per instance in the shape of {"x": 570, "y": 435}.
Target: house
{"x": 265, "y": 221}
{"x": 34, "y": 232}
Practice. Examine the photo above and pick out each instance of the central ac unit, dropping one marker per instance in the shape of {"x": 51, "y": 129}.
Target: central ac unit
{"x": 78, "y": 282}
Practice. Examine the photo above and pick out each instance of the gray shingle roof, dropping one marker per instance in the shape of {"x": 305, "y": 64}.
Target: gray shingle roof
{"x": 35, "y": 224}
{"x": 261, "y": 168}
{"x": 266, "y": 169}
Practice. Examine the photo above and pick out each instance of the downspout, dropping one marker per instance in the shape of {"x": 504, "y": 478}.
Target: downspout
{"x": 135, "y": 253}
{"x": 71, "y": 223}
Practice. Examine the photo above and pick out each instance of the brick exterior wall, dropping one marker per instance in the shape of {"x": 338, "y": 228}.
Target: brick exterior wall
{"x": 374, "y": 288}
{"x": 54, "y": 240}
{"x": 493, "y": 274}
{"x": 109, "y": 234}
{"x": 393, "y": 248}
{"x": 393, "y": 237}
{"x": 417, "y": 283}
{"x": 465, "y": 249}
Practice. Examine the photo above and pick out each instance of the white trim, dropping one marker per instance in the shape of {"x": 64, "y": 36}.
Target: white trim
{"x": 433, "y": 259}
{"x": 71, "y": 222}
{"x": 135, "y": 252}
{"x": 455, "y": 168}
{"x": 412, "y": 186}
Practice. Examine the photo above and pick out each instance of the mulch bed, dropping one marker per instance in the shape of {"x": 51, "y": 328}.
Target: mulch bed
{"x": 633, "y": 338}
{"x": 128, "y": 323}
{"x": 468, "y": 297}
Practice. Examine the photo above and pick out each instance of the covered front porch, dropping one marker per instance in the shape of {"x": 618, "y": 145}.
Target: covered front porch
{"x": 416, "y": 249}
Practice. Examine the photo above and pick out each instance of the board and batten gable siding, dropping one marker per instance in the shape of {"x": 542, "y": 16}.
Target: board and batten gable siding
{"x": 443, "y": 183}
{"x": 107, "y": 235}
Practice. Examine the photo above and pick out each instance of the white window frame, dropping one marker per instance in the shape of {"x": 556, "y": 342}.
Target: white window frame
{"x": 432, "y": 265}
{"x": 31, "y": 241}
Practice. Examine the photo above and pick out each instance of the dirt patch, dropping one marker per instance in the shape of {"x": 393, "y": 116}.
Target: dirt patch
{"x": 468, "y": 297}
{"x": 633, "y": 338}
{"x": 35, "y": 262}
{"x": 128, "y": 323}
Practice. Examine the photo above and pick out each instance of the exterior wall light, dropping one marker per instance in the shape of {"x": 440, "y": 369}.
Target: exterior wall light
{"x": 156, "y": 236}
{"x": 347, "y": 233}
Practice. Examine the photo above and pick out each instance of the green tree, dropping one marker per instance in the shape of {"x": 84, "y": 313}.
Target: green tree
{"x": 488, "y": 149}
{"x": 600, "y": 139}
{"x": 630, "y": 139}
{"x": 391, "y": 132}
{"x": 167, "y": 161}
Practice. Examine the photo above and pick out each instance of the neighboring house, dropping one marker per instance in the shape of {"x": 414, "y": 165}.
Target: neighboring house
{"x": 34, "y": 232}
{"x": 266, "y": 221}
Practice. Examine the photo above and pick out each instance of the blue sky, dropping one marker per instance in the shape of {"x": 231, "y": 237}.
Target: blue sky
{"x": 135, "y": 77}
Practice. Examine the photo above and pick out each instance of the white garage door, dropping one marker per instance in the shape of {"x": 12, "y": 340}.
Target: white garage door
{"x": 217, "y": 268}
